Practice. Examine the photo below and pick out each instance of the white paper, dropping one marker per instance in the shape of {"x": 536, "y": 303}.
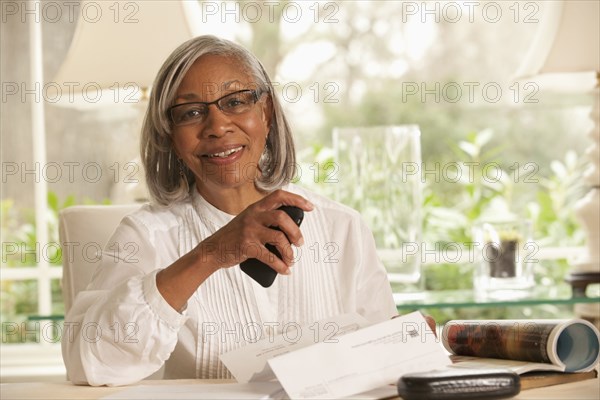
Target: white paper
{"x": 249, "y": 363}
{"x": 224, "y": 391}
{"x": 384, "y": 392}
{"x": 360, "y": 361}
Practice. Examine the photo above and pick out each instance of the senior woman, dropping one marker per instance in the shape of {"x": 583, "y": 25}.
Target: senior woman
{"x": 219, "y": 156}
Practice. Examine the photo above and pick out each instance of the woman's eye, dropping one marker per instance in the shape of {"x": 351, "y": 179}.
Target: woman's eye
{"x": 191, "y": 113}
{"x": 234, "y": 102}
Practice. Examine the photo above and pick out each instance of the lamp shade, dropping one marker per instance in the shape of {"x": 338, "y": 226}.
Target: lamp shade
{"x": 567, "y": 41}
{"x": 121, "y": 44}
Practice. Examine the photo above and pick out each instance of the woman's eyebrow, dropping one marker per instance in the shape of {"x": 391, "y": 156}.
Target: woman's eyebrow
{"x": 193, "y": 96}
{"x": 187, "y": 96}
{"x": 227, "y": 84}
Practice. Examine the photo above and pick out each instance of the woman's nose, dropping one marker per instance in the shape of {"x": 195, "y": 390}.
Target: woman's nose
{"x": 217, "y": 123}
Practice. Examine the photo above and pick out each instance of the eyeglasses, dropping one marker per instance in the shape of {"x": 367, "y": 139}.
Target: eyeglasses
{"x": 231, "y": 104}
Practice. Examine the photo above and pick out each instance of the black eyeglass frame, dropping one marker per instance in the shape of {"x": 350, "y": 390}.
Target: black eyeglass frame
{"x": 256, "y": 95}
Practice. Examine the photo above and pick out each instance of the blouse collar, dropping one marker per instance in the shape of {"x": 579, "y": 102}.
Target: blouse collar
{"x": 209, "y": 211}
{"x": 212, "y": 213}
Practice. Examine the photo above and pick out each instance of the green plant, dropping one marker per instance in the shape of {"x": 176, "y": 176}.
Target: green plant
{"x": 19, "y": 239}
{"x": 450, "y": 210}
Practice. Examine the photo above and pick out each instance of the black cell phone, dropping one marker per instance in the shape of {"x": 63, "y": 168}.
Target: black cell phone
{"x": 459, "y": 383}
{"x": 261, "y": 272}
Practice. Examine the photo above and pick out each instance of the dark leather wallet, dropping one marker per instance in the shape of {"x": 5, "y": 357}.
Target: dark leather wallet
{"x": 459, "y": 383}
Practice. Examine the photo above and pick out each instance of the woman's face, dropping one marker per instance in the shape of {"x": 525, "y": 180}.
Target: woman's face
{"x": 223, "y": 150}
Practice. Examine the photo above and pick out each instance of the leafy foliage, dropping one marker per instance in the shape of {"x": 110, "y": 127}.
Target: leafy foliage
{"x": 19, "y": 240}
{"x": 450, "y": 209}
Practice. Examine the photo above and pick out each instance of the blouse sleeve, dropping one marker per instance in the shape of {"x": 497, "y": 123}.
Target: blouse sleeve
{"x": 375, "y": 300}
{"x": 120, "y": 329}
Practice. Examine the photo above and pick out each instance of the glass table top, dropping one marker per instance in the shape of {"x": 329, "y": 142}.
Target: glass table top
{"x": 559, "y": 294}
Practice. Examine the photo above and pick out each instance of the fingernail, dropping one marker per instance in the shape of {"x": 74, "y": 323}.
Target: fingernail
{"x": 300, "y": 241}
{"x": 287, "y": 272}
{"x": 310, "y": 205}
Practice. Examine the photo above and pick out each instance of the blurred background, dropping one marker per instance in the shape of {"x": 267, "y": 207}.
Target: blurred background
{"x": 448, "y": 67}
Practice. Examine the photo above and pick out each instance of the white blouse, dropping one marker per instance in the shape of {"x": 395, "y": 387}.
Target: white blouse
{"x": 121, "y": 330}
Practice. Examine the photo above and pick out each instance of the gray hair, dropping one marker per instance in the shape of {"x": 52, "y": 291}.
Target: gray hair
{"x": 161, "y": 164}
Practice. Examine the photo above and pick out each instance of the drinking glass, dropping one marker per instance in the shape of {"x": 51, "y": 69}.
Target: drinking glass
{"x": 504, "y": 255}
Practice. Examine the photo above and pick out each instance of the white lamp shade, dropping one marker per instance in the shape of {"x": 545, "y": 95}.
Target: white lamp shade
{"x": 117, "y": 44}
{"x": 567, "y": 41}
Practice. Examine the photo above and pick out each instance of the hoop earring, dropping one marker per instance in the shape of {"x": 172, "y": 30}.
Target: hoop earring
{"x": 182, "y": 176}
{"x": 264, "y": 162}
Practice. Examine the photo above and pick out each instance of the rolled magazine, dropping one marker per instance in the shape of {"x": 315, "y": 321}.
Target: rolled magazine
{"x": 559, "y": 345}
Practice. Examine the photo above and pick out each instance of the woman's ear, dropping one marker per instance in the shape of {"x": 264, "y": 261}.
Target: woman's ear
{"x": 267, "y": 112}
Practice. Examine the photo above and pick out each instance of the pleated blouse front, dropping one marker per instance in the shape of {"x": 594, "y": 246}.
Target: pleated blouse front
{"x": 335, "y": 271}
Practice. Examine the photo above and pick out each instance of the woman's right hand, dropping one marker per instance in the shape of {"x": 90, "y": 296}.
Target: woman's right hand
{"x": 246, "y": 235}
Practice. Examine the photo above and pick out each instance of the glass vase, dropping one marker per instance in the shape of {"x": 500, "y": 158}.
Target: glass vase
{"x": 379, "y": 170}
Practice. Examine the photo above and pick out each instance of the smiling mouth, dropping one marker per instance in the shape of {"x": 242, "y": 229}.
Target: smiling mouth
{"x": 225, "y": 153}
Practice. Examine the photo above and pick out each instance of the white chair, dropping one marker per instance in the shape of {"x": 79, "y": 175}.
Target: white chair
{"x": 83, "y": 232}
